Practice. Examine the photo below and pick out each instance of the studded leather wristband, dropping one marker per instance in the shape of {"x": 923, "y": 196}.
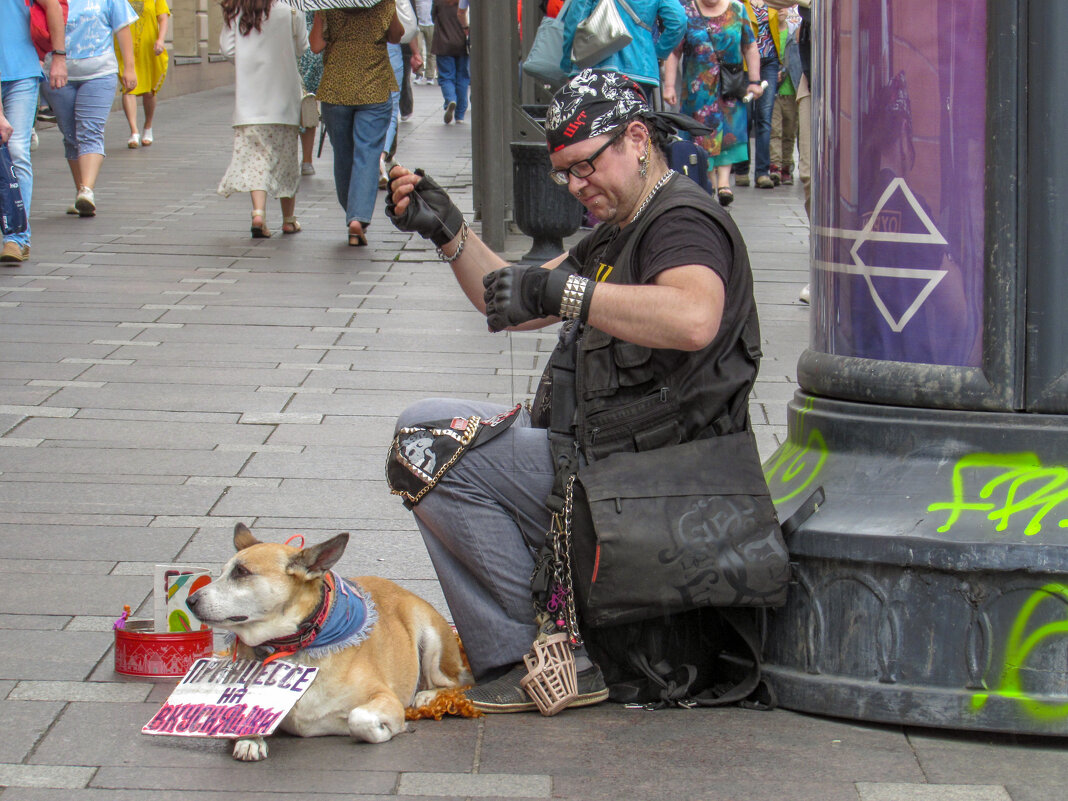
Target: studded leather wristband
{"x": 575, "y": 303}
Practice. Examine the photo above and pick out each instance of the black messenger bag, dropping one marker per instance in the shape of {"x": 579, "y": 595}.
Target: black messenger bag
{"x": 672, "y": 529}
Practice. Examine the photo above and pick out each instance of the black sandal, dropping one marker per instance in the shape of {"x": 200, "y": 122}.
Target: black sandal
{"x": 726, "y": 196}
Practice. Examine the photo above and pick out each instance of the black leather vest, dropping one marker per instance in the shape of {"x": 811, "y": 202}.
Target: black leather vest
{"x": 634, "y": 398}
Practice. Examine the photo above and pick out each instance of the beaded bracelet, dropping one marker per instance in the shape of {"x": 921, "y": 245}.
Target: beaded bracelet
{"x": 459, "y": 247}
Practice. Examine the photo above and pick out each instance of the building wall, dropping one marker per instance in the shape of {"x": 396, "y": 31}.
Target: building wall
{"x": 194, "y": 49}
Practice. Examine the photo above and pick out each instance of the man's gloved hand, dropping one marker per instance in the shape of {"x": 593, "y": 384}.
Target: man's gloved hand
{"x": 517, "y": 293}
{"x": 430, "y": 212}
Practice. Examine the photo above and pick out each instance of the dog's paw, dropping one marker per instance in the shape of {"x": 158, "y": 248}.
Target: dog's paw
{"x": 371, "y": 728}
{"x": 250, "y": 749}
{"x": 425, "y": 697}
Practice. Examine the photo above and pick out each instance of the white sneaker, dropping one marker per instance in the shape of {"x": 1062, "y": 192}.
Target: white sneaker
{"x": 34, "y": 141}
{"x": 307, "y": 168}
{"x": 804, "y": 294}
{"x": 85, "y": 203}
{"x": 419, "y": 80}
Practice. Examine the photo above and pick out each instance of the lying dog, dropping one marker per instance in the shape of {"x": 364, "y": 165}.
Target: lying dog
{"x": 378, "y": 647}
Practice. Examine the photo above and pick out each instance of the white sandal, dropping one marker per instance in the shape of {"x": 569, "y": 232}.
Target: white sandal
{"x": 146, "y": 138}
{"x": 134, "y": 141}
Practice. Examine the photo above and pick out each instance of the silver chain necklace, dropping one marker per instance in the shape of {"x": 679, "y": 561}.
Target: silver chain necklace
{"x": 652, "y": 193}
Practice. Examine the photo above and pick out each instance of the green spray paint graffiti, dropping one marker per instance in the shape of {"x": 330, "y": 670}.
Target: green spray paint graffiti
{"x": 1019, "y": 648}
{"x": 800, "y": 464}
{"x": 1028, "y": 485}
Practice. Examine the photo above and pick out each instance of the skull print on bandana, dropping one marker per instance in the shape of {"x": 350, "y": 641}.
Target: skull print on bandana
{"x": 590, "y": 104}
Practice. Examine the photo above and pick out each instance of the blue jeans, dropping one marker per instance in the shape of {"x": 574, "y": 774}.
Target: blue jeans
{"x": 20, "y": 107}
{"x": 482, "y": 525}
{"x": 396, "y": 61}
{"x": 454, "y": 78}
{"x": 82, "y": 109}
{"x": 358, "y": 137}
{"x": 762, "y": 117}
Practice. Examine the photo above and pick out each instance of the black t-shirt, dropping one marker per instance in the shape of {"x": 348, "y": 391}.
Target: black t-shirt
{"x": 680, "y": 237}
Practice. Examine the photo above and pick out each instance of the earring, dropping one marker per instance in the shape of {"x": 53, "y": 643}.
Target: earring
{"x": 643, "y": 165}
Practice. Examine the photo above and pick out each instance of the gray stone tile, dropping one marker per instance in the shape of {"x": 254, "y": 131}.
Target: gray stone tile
{"x": 23, "y": 722}
{"x": 118, "y": 434}
{"x": 52, "y": 655}
{"x": 55, "y": 567}
{"x": 981, "y": 758}
{"x": 931, "y": 792}
{"x": 63, "y": 777}
{"x": 479, "y": 785}
{"x": 71, "y": 691}
{"x": 139, "y": 461}
{"x": 188, "y": 397}
{"x": 34, "y": 622}
{"x": 52, "y": 594}
{"x": 308, "y": 498}
{"x": 149, "y": 499}
{"x": 749, "y": 746}
{"x": 35, "y": 540}
{"x": 232, "y": 790}
{"x": 666, "y": 785}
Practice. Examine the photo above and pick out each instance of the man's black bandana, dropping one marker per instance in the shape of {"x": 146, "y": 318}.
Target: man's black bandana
{"x": 590, "y": 104}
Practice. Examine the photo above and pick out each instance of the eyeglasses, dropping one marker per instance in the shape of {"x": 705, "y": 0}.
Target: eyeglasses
{"x": 584, "y": 168}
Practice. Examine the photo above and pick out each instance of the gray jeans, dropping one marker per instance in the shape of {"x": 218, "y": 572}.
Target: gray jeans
{"x": 482, "y": 525}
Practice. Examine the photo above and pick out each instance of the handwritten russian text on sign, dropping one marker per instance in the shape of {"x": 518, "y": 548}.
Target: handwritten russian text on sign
{"x": 224, "y": 698}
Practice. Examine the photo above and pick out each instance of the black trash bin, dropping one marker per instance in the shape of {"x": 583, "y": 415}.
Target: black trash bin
{"x": 543, "y": 210}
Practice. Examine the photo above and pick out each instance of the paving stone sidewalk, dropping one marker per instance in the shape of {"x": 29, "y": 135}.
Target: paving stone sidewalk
{"x": 162, "y": 376}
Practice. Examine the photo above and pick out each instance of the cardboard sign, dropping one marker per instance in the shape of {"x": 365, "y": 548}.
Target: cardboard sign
{"x": 171, "y": 587}
{"x": 223, "y": 698}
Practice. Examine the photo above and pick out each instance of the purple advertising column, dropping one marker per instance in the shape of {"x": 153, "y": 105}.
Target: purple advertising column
{"x": 898, "y": 204}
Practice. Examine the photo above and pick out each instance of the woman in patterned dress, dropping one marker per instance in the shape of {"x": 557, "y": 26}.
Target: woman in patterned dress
{"x": 716, "y": 29}
{"x": 265, "y": 38}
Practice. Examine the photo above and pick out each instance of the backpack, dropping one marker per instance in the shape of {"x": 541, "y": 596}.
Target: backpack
{"x": 691, "y": 160}
{"x": 707, "y": 656}
{"x": 42, "y": 39}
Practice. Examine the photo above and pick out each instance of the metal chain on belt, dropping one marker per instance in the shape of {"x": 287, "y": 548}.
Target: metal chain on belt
{"x": 561, "y": 604}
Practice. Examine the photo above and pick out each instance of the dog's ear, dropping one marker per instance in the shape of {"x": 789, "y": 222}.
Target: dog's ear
{"x": 243, "y": 537}
{"x": 317, "y": 559}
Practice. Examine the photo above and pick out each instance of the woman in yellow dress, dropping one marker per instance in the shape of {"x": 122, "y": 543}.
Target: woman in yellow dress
{"x": 150, "y": 62}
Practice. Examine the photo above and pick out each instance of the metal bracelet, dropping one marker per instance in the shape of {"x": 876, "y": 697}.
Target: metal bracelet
{"x": 574, "y": 296}
{"x": 459, "y": 247}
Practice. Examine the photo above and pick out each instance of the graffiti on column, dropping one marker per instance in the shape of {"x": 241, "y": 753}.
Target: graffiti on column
{"x": 1007, "y": 487}
{"x": 799, "y": 463}
{"x": 1022, "y": 643}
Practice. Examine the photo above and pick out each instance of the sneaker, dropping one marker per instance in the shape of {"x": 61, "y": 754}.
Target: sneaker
{"x": 72, "y": 209}
{"x": 307, "y": 168}
{"x": 764, "y": 182}
{"x": 505, "y": 694}
{"x": 34, "y": 141}
{"x": 406, "y": 117}
{"x": 14, "y": 253}
{"x": 805, "y": 293}
{"x": 450, "y": 111}
{"x": 419, "y": 80}
{"x": 787, "y": 177}
{"x": 742, "y": 179}
{"x": 775, "y": 174}
{"x": 85, "y": 203}
{"x": 45, "y": 114}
